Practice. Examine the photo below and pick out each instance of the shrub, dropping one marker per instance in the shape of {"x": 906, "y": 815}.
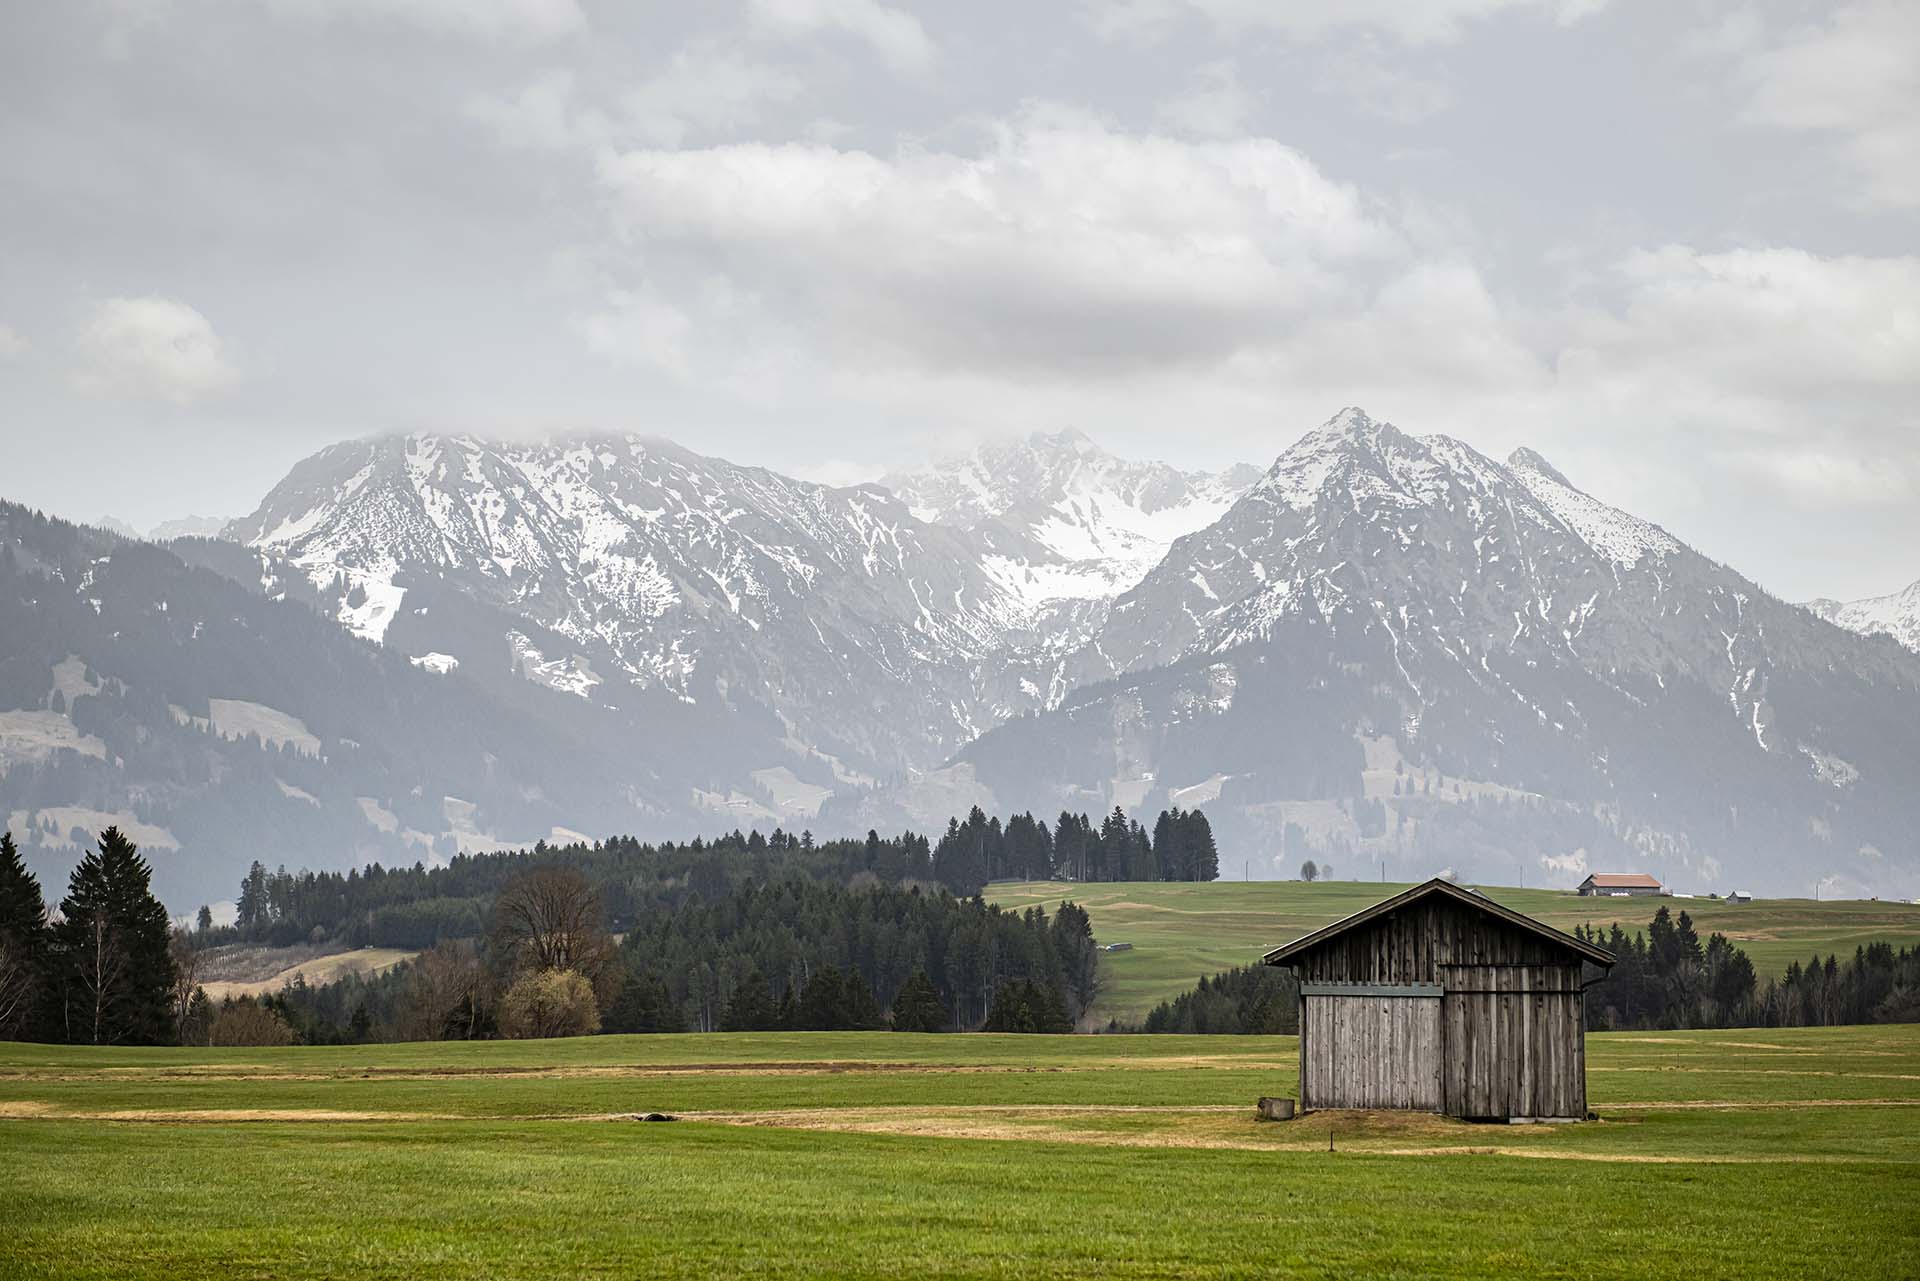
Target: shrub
{"x": 549, "y": 1003}
{"x": 247, "y": 1022}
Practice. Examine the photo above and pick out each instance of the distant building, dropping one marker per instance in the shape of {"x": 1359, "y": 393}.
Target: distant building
{"x": 1620, "y": 884}
{"x": 1739, "y": 896}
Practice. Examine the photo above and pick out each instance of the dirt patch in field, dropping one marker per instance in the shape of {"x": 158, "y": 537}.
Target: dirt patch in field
{"x": 457, "y": 1072}
{"x": 1353, "y": 1133}
{"x": 20, "y": 1110}
{"x": 1668, "y": 1069}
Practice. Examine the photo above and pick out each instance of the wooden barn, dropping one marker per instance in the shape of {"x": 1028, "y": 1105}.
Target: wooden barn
{"x": 1440, "y": 1000}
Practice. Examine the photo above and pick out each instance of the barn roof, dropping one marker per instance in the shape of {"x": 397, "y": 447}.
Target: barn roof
{"x": 1624, "y": 881}
{"x": 1280, "y": 955}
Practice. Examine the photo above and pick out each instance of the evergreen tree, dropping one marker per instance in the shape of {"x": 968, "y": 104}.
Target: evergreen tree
{"x": 918, "y": 1007}
{"x": 115, "y": 970}
{"x": 1202, "y": 858}
{"x": 1025, "y": 1006}
{"x": 252, "y": 903}
{"x": 643, "y": 1006}
{"x": 751, "y": 1009}
{"x": 23, "y": 943}
{"x": 198, "y": 1028}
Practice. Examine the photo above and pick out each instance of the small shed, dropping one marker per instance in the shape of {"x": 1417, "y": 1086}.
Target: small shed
{"x": 1739, "y": 896}
{"x": 1441, "y": 1000}
{"x": 1620, "y": 885}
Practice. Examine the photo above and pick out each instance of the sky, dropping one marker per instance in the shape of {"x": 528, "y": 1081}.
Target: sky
{"x": 1671, "y": 246}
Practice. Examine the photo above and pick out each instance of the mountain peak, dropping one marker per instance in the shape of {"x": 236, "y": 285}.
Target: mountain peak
{"x": 1351, "y": 421}
{"x": 1066, "y": 440}
{"x": 1529, "y": 460}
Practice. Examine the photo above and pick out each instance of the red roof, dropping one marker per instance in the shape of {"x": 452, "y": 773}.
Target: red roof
{"x": 1624, "y": 881}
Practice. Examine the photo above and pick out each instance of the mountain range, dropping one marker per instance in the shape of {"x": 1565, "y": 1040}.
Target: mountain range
{"x": 1386, "y": 651}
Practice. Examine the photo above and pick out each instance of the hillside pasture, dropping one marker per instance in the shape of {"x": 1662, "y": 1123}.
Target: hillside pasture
{"x": 871, "y": 1154}
{"x": 1183, "y": 931}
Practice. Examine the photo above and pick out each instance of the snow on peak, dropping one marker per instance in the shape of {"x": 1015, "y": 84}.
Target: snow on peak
{"x": 1066, "y": 520}
{"x": 1623, "y": 539}
{"x": 1896, "y": 614}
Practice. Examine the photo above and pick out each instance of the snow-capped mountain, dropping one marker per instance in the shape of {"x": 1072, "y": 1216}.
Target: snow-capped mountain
{"x": 1062, "y": 521}
{"x": 871, "y": 641}
{"x": 215, "y": 726}
{"x": 187, "y": 527}
{"x": 1386, "y": 648}
{"x": 1385, "y": 617}
{"x": 1896, "y": 615}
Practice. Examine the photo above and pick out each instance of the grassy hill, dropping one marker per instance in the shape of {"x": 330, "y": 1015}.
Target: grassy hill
{"x": 1181, "y": 931}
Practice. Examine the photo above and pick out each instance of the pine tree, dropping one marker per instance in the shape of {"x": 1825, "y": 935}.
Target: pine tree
{"x": 918, "y": 1007}
{"x": 23, "y": 943}
{"x": 751, "y": 1008}
{"x": 198, "y": 1029}
{"x": 115, "y": 973}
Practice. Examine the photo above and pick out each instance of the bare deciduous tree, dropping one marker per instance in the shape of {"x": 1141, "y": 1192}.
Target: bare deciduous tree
{"x": 186, "y": 977}
{"x": 448, "y": 994}
{"x": 98, "y": 966}
{"x": 247, "y": 1022}
{"x": 19, "y": 984}
{"x": 550, "y": 920}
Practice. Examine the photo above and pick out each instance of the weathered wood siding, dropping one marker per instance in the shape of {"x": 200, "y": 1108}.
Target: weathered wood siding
{"x": 1371, "y": 1052}
{"x": 1515, "y": 1041}
{"x": 1507, "y": 1036}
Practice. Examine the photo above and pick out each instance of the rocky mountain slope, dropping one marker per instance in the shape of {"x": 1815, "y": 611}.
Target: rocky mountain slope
{"x": 217, "y": 726}
{"x": 1393, "y": 648}
{"x": 1063, "y": 525}
{"x": 1896, "y": 615}
{"x": 1388, "y": 652}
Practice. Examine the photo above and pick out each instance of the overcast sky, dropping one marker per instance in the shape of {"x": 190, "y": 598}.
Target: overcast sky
{"x": 1672, "y": 246}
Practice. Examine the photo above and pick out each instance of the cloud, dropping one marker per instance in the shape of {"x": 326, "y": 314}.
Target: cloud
{"x": 1361, "y": 75}
{"x": 1793, "y": 369}
{"x": 1063, "y": 247}
{"x": 638, "y": 327}
{"x": 11, "y": 343}
{"x": 1215, "y": 106}
{"x": 1856, "y": 76}
{"x": 706, "y": 88}
{"x": 545, "y": 115}
{"x": 1771, "y": 329}
{"x": 496, "y": 20}
{"x": 896, "y": 37}
{"x": 1424, "y": 22}
{"x": 151, "y": 348}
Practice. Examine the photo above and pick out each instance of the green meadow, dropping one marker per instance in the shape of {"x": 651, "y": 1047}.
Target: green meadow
{"x": 1182, "y": 931}
{"x": 1780, "y": 1153}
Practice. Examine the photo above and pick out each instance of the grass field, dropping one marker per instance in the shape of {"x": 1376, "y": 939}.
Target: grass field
{"x": 1784, "y": 1153}
{"x": 1181, "y": 931}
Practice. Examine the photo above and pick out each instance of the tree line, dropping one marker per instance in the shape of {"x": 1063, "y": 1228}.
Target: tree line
{"x": 1668, "y": 978}
{"x": 744, "y": 933}
{"x": 418, "y": 907}
{"x": 1662, "y": 978}
{"x": 789, "y": 955}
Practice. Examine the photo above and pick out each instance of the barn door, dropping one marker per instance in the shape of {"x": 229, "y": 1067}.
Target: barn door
{"x": 1371, "y": 1046}
{"x": 1512, "y": 1053}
